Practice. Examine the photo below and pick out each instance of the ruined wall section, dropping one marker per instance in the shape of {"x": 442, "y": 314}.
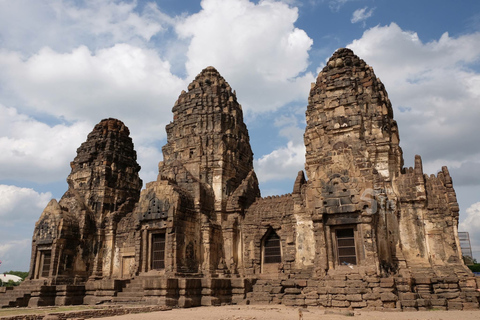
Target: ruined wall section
{"x": 163, "y": 208}
{"x": 352, "y": 153}
{"x": 125, "y": 260}
{"x": 55, "y": 234}
{"x": 266, "y": 215}
{"x": 412, "y": 204}
{"x": 441, "y": 222}
{"x": 428, "y": 223}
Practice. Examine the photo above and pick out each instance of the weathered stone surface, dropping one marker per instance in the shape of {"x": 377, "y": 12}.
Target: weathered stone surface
{"x": 74, "y": 238}
{"x": 358, "y": 230}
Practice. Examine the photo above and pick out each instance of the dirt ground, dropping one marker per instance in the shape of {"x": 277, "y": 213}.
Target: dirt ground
{"x": 289, "y": 313}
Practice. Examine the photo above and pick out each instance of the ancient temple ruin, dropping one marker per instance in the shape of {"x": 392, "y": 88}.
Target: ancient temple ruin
{"x": 359, "y": 230}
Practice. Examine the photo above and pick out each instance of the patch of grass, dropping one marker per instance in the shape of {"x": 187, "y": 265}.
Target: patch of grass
{"x": 42, "y": 310}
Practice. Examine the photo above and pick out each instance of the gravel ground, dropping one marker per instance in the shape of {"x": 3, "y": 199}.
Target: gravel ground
{"x": 283, "y": 313}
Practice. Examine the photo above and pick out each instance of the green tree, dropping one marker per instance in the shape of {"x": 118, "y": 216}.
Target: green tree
{"x": 475, "y": 267}
{"x": 20, "y": 274}
{"x": 11, "y": 283}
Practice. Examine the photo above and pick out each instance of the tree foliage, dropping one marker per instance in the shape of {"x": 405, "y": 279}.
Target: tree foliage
{"x": 20, "y": 274}
{"x": 475, "y": 267}
{"x": 12, "y": 283}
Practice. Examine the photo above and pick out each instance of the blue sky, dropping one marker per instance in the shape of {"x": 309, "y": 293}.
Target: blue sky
{"x": 67, "y": 64}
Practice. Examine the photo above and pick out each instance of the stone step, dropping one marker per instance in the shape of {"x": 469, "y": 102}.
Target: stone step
{"x": 132, "y": 290}
{"x": 14, "y": 298}
{"x": 127, "y": 299}
{"x": 130, "y": 294}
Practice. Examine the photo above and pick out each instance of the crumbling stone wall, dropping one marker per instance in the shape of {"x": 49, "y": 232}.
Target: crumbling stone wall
{"x": 270, "y": 214}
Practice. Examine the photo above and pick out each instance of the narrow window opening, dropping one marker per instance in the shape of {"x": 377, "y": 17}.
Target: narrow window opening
{"x": 47, "y": 258}
{"x": 346, "y": 246}
{"x": 272, "y": 252}
{"x": 158, "y": 251}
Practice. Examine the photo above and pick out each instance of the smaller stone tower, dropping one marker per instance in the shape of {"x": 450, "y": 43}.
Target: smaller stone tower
{"x": 73, "y": 239}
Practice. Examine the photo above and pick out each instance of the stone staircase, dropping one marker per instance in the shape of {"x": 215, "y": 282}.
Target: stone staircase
{"x": 133, "y": 292}
{"x": 15, "y": 296}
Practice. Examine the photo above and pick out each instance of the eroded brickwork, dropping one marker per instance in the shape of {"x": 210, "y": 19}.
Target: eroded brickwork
{"x": 358, "y": 230}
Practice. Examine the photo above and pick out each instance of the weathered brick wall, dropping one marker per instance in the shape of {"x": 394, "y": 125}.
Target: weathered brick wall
{"x": 369, "y": 291}
{"x": 275, "y": 213}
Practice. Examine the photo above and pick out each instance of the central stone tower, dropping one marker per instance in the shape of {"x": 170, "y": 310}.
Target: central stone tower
{"x": 189, "y": 220}
{"x": 208, "y": 138}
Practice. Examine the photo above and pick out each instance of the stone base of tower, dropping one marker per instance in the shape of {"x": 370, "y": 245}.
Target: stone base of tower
{"x": 341, "y": 289}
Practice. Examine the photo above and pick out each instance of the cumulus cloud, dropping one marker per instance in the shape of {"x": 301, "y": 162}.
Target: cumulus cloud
{"x": 258, "y": 50}
{"x": 126, "y": 82}
{"x": 434, "y": 89}
{"x": 360, "y": 15}
{"x": 19, "y": 209}
{"x": 115, "y": 18}
{"x": 286, "y": 161}
{"x": 80, "y": 86}
{"x": 84, "y": 85}
{"x": 148, "y": 157}
{"x": 15, "y": 254}
{"x": 21, "y": 203}
{"x": 29, "y": 25}
{"x": 35, "y": 151}
{"x": 282, "y": 163}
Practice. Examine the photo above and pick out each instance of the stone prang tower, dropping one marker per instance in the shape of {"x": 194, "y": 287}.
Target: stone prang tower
{"x": 358, "y": 230}
{"x": 74, "y": 238}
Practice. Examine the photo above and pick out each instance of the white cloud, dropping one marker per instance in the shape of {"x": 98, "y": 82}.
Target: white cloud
{"x": 336, "y": 5}
{"x": 296, "y": 3}
{"x": 286, "y": 161}
{"x": 360, "y": 15}
{"x": 15, "y": 255}
{"x": 434, "y": 89}
{"x": 21, "y": 204}
{"x": 19, "y": 209}
{"x": 282, "y": 163}
{"x": 258, "y": 50}
{"x": 116, "y": 18}
{"x": 148, "y": 157}
{"x": 124, "y": 81}
{"x": 84, "y": 85}
{"x": 29, "y": 25}
{"x": 35, "y": 151}
{"x": 134, "y": 84}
